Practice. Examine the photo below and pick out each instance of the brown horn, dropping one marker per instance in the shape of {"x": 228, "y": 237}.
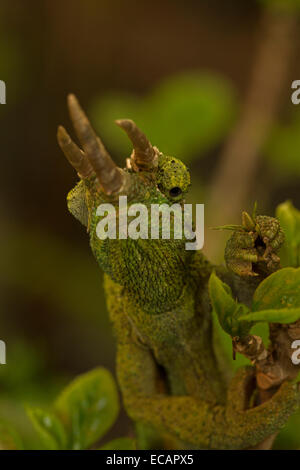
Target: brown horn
{"x": 110, "y": 177}
{"x": 74, "y": 154}
{"x": 144, "y": 155}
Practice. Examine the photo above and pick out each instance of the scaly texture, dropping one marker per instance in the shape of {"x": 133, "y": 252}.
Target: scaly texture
{"x": 158, "y": 301}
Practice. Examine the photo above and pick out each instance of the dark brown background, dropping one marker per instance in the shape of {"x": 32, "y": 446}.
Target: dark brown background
{"x": 53, "y": 315}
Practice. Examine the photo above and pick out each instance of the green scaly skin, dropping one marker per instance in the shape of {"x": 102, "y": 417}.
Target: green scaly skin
{"x": 158, "y": 301}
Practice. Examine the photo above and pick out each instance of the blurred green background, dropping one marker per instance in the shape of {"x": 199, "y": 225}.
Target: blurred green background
{"x": 208, "y": 81}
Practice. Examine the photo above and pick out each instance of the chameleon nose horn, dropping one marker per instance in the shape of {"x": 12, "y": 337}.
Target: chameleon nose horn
{"x": 74, "y": 154}
{"x": 94, "y": 159}
{"x": 144, "y": 155}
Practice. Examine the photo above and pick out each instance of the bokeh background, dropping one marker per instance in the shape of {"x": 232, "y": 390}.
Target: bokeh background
{"x": 208, "y": 81}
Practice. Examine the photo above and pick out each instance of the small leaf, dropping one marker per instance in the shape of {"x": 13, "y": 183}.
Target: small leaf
{"x": 9, "y": 438}
{"x": 254, "y": 211}
{"x": 49, "y": 428}
{"x": 277, "y": 298}
{"x": 227, "y": 309}
{"x": 122, "y": 443}
{"x": 280, "y": 290}
{"x": 88, "y": 407}
{"x": 229, "y": 227}
{"x": 284, "y": 315}
{"x": 248, "y": 221}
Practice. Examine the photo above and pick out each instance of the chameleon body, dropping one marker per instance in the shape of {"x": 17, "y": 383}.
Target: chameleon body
{"x": 158, "y": 300}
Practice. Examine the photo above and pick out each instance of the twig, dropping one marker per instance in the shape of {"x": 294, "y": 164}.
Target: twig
{"x": 273, "y": 365}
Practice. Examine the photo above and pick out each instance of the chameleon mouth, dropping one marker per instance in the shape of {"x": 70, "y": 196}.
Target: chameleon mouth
{"x": 266, "y": 257}
{"x": 260, "y": 245}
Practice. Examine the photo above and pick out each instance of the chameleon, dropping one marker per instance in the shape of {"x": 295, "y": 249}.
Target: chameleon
{"x": 158, "y": 301}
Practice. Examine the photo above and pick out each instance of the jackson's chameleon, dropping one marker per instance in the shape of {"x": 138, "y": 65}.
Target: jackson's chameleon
{"x": 159, "y": 305}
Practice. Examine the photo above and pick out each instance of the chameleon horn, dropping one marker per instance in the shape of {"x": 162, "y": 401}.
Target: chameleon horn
{"x": 110, "y": 177}
{"x": 74, "y": 154}
{"x": 144, "y": 155}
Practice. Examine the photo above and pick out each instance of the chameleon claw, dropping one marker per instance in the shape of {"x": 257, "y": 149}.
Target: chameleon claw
{"x": 275, "y": 258}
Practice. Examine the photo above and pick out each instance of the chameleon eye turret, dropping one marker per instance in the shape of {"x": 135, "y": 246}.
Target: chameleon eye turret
{"x": 173, "y": 177}
{"x": 175, "y": 192}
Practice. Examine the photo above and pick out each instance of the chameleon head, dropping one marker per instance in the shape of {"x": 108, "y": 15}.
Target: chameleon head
{"x": 150, "y": 178}
{"x": 101, "y": 179}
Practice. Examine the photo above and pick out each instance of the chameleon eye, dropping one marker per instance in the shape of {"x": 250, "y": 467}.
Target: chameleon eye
{"x": 174, "y": 192}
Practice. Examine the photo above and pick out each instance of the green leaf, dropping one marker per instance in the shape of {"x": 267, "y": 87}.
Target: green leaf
{"x": 9, "y": 438}
{"x": 289, "y": 218}
{"x": 284, "y": 315}
{"x": 277, "y": 298}
{"x": 88, "y": 407}
{"x": 227, "y": 309}
{"x": 199, "y": 107}
{"x": 122, "y": 443}
{"x": 280, "y": 290}
{"x": 49, "y": 428}
{"x": 229, "y": 227}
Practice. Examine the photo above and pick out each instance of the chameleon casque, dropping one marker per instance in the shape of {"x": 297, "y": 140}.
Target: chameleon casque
{"x": 159, "y": 305}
